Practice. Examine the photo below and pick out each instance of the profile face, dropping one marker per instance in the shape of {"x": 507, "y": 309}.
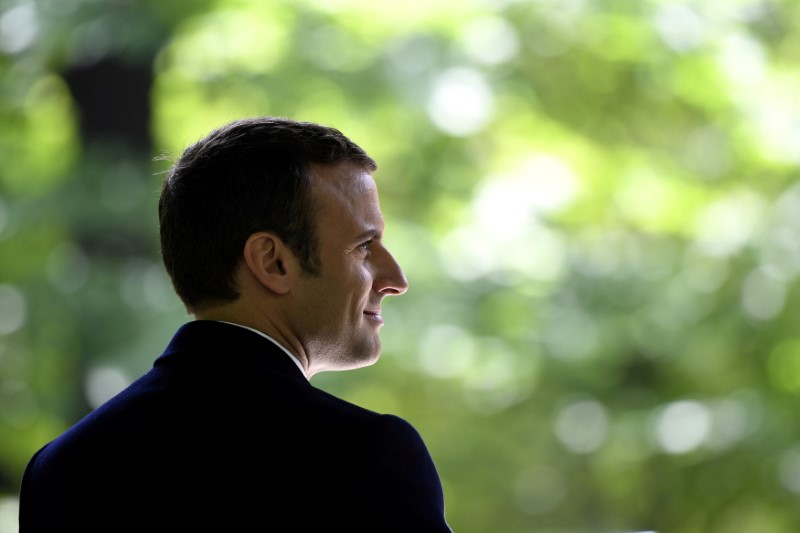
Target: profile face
{"x": 340, "y": 309}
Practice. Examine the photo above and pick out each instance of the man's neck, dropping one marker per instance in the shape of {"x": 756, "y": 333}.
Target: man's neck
{"x": 234, "y": 316}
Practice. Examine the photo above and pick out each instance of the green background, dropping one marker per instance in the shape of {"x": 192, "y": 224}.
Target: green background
{"x": 595, "y": 202}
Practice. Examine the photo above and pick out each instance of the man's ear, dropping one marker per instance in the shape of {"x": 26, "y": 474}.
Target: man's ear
{"x": 270, "y": 261}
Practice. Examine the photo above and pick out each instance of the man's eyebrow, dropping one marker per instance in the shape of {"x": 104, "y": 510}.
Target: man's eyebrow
{"x": 374, "y": 233}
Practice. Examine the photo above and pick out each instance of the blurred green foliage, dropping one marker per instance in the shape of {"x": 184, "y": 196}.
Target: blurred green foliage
{"x": 595, "y": 203}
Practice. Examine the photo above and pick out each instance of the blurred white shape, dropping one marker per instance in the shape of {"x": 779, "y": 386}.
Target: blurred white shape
{"x": 490, "y": 40}
{"x": 508, "y": 202}
{"x": 683, "y": 426}
{"x": 92, "y": 41}
{"x": 780, "y": 247}
{"x": 539, "y": 489}
{"x": 498, "y": 5}
{"x": 679, "y": 26}
{"x": 789, "y": 469}
{"x": 729, "y": 223}
{"x": 471, "y": 251}
{"x": 13, "y": 309}
{"x": 778, "y": 128}
{"x": 492, "y": 401}
{"x": 787, "y": 207}
{"x": 467, "y": 253}
{"x": 643, "y": 195}
{"x": 103, "y": 383}
{"x": 743, "y": 59}
{"x": 763, "y": 296}
{"x": 731, "y": 423}
{"x": 9, "y": 514}
{"x": 446, "y": 351}
{"x": 506, "y": 233}
{"x": 582, "y": 426}
{"x": 493, "y": 377}
{"x": 738, "y": 11}
{"x": 18, "y": 27}
{"x": 461, "y": 102}
{"x": 495, "y": 368}
{"x": 204, "y": 49}
{"x": 539, "y": 254}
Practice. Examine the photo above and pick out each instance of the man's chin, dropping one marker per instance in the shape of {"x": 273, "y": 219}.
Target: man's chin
{"x": 367, "y": 360}
{"x": 355, "y": 359}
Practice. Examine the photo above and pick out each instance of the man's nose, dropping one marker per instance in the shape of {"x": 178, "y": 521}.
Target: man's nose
{"x": 389, "y": 278}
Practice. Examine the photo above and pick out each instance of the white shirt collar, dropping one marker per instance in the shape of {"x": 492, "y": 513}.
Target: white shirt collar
{"x": 276, "y": 343}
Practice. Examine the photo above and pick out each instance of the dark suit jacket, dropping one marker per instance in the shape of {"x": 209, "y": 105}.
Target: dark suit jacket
{"x": 225, "y": 433}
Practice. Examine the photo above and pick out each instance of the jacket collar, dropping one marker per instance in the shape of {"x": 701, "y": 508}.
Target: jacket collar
{"x": 219, "y": 343}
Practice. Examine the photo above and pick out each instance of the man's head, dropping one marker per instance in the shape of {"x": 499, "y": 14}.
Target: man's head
{"x": 248, "y": 176}
{"x": 276, "y": 224}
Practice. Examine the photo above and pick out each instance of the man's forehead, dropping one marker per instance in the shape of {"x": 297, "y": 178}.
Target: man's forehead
{"x": 346, "y": 179}
{"x": 347, "y": 200}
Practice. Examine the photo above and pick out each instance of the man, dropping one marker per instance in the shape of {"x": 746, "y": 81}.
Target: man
{"x": 271, "y": 232}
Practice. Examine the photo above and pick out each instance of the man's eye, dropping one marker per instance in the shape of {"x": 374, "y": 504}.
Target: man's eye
{"x": 365, "y": 245}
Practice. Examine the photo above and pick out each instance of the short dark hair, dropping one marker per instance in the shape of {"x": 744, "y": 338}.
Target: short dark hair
{"x": 248, "y": 176}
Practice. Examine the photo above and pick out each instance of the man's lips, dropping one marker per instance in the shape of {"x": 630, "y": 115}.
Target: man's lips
{"x": 376, "y": 315}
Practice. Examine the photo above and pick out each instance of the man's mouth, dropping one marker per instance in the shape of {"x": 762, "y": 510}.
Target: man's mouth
{"x": 375, "y": 315}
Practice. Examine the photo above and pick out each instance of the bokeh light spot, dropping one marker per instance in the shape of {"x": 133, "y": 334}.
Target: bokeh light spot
{"x": 103, "y": 383}
{"x": 789, "y": 470}
{"x": 490, "y": 40}
{"x": 13, "y": 309}
{"x": 9, "y": 514}
{"x": 582, "y": 426}
{"x": 763, "y": 296}
{"x": 461, "y": 102}
{"x": 446, "y": 351}
{"x": 729, "y": 223}
{"x": 19, "y": 27}
{"x": 679, "y": 26}
{"x": 683, "y": 426}
{"x": 205, "y": 49}
{"x": 743, "y": 59}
